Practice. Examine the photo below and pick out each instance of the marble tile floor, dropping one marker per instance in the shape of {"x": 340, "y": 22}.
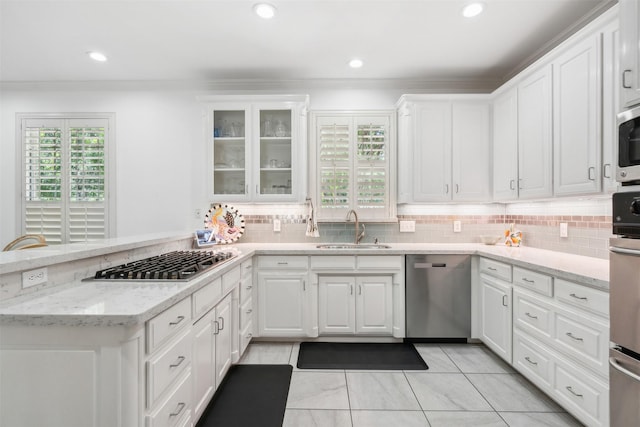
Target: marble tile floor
{"x": 465, "y": 385}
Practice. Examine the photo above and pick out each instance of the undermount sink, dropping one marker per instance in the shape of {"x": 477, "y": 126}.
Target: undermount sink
{"x": 352, "y": 246}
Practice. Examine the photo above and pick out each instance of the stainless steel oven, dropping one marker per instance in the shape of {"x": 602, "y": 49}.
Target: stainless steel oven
{"x": 628, "y": 164}
{"x": 624, "y": 308}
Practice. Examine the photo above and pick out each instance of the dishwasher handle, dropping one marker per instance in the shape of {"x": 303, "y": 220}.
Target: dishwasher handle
{"x": 430, "y": 265}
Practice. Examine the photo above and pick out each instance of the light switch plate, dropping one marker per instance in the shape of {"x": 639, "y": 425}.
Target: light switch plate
{"x": 457, "y": 226}
{"x": 276, "y": 225}
{"x": 564, "y": 229}
{"x": 34, "y": 277}
{"x": 407, "y": 226}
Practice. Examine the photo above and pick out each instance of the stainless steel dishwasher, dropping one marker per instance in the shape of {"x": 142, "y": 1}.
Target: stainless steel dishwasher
{"x": 438, "y": 298}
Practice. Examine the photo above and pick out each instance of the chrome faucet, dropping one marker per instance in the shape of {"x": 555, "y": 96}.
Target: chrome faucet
{"x": 359, "y": 234}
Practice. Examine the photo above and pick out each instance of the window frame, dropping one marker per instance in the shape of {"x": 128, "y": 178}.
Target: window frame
{"x": 355, "y": 118}
{"x": 109, "y": 168}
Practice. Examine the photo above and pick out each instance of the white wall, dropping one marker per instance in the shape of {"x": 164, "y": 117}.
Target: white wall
{"x": 160, "y": 146}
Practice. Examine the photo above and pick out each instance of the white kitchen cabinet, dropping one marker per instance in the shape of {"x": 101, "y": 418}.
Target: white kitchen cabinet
{"x": 223, "y": 338}
{"x": 630, "y": 52}
{"x": 495, "y": 315}
{"x": 287, "y": 306}
{"x": 610, "y": 104}
{"x": 505, "y": 146}
{"x": 355, "y": 305}
{"x": 447, "y": 148}
{"x": 576, "y": 118}
{"x": 535, "y": 134}
{"x": 256, "y": 148}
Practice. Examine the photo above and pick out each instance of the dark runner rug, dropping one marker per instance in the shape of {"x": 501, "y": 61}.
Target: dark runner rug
{"x": 250, "y": 395}
{"x": 375, "y": 356}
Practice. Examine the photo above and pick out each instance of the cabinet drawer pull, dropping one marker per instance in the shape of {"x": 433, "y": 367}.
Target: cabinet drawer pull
{"x": 178, "y": 320}
{"x": 221, "y": 323}
{"x": 528, "y": 359}
{"x": 624, "y": 80}
{"x": 570, "y": 335}
{"x": 504, "y": 300}
{"x": 573, "y": 392}
{"x": 249, "y": 335}
{"x": 179, "y": 409}
{"x": 248, "y": 267}
{"x": 249, "y": 287}
{"x": 178, "y": 362}
{"x": 283, "y": 263}
{"x": 249, "y": 311}
{"x": 524, "y": 279}
{"x": 577, "y": 297}
{"x": 531, "y": 316}
{"x": 492, "y": 268}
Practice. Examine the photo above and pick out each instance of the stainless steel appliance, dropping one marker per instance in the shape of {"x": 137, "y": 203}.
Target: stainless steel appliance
{"x": 171, "y": 266}
{"x": 624, "y": 307}
{"x": 438, "y": 298}
{"x": 628, "y": 164}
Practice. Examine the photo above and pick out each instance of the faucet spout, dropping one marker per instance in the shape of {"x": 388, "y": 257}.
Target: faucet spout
{"x": 359, "y": 235}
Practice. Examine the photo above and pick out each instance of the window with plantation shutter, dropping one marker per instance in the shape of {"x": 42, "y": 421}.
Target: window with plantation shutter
{"x": 65, "y": 177}
{"x": 353, "y": 166}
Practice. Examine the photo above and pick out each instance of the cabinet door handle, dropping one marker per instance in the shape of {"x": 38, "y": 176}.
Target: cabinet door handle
{"x": 304, "y": 285}
{"x": 457, "y": 188}
{"x": 221, "y": 323}
{"x": 624, "y": 80}
{"x": 359, "y": 289}
{"x": 246, "y": 189}
{"x": 530, "y": 361}
{"x": 592, "y": 177}
{"x": 606, "y": 167}
{"x": 257, "y": 191}
{"x": 178, "y": 362}
{"x": 350, "y": 289}
{"x": 249, "y": 335}
{"x": 570, "y": 335}
{"x": 178, "y": 320}
{"x": 216, "y": 330}
{"x": 178, "y": 410}
{"x": 577, "y": 297}
{"x": 446, "y": 189}
{"x": 573, "y": 392}
{"x": 504, "y": 300}
{"x": 250, "y": 311}
{"x": 249, "y": 287}
{"x": 512, "y": 184}
{"x": 520, "y": 186}
{"x": 531, "y": 316}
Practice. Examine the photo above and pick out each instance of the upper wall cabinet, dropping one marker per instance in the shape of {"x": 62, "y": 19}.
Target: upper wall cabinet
{"x": 576, "y": 113}
{"x": 256, "y": 148}
{"x": 443, "y": 149}
{"x": 630, "y": 52}
{"x": 505, "y": 146}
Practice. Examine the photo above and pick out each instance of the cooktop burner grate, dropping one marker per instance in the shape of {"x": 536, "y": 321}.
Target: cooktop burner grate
{"x": 177, "y": 265}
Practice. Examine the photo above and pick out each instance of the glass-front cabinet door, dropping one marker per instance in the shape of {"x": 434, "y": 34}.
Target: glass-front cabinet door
{"x": 230, "y": 153}
{"x": 256, "y": 148}
{"x": 276, "y": 153}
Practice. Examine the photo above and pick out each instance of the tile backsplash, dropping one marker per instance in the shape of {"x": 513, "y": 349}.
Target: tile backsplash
{"x": 588, "y": 232}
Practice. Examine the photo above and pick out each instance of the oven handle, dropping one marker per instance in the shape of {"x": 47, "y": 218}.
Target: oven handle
{"x": 624, "y": 251}
{"x": 615, "y": 365}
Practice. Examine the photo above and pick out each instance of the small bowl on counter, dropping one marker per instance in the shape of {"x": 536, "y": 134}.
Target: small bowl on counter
{"x": 489, "y": 240}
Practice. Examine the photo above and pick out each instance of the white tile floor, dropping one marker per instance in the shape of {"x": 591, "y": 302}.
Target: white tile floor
{"x": 465, "y": 385}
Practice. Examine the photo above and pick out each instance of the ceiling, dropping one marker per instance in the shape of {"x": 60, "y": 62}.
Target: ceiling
{"x": 222, "y": 40}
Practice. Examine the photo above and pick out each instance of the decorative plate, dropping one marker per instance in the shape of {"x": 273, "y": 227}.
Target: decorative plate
{"x": 226, "y": 223}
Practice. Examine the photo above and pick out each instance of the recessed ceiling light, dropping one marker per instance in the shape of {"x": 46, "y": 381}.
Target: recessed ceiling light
{"x": 264, "y": 10}
{"x": 356, "y": 63}
{"x": 97, "y": 56}
{"x": 472, "y": 9}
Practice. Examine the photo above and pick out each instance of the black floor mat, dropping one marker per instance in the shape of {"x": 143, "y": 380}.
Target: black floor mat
{"x": 250, "y": 395}
{"x": 376, "y": 356}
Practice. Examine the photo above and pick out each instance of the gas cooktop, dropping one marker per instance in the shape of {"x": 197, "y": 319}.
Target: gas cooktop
{"x": 171, "y": 266}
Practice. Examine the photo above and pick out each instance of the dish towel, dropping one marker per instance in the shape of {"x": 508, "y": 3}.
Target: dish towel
{"x": 312, "y": 224}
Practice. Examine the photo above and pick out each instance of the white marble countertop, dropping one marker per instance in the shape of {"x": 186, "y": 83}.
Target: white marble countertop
{"x": 126, "y": 304}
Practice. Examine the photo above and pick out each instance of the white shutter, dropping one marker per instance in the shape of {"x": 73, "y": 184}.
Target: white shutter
{"x": 64, "y": 169}
{"x": 334, "y": 163}
{"x": 371, "y": 165}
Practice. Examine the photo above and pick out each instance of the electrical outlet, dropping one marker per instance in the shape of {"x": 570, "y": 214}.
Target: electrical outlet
{"x": 564, "y": 229}
{"x": 457, "y": 226}
{"x": 34, "y": 277}
{"x": 276, "y": 225}
{"x": 407, "y": 226}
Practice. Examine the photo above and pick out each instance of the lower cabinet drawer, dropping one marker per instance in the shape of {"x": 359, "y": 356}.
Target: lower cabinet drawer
{"x": 173, "y": 411}
{"x": 586, "y": 340}
{"x": 530, "y": 313}
{"x": 166, "y": 366}
{"x": 532, "y": 361}
{"x": 586, "y": 398}
{"x": 581, "y": 296}
{"x": 537, "y": 282}
{"x": 245, "y": 337}
{"x": 496, "y": 269}
{"x": 167, "y": 324}
{"x": 246, "y": 313}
